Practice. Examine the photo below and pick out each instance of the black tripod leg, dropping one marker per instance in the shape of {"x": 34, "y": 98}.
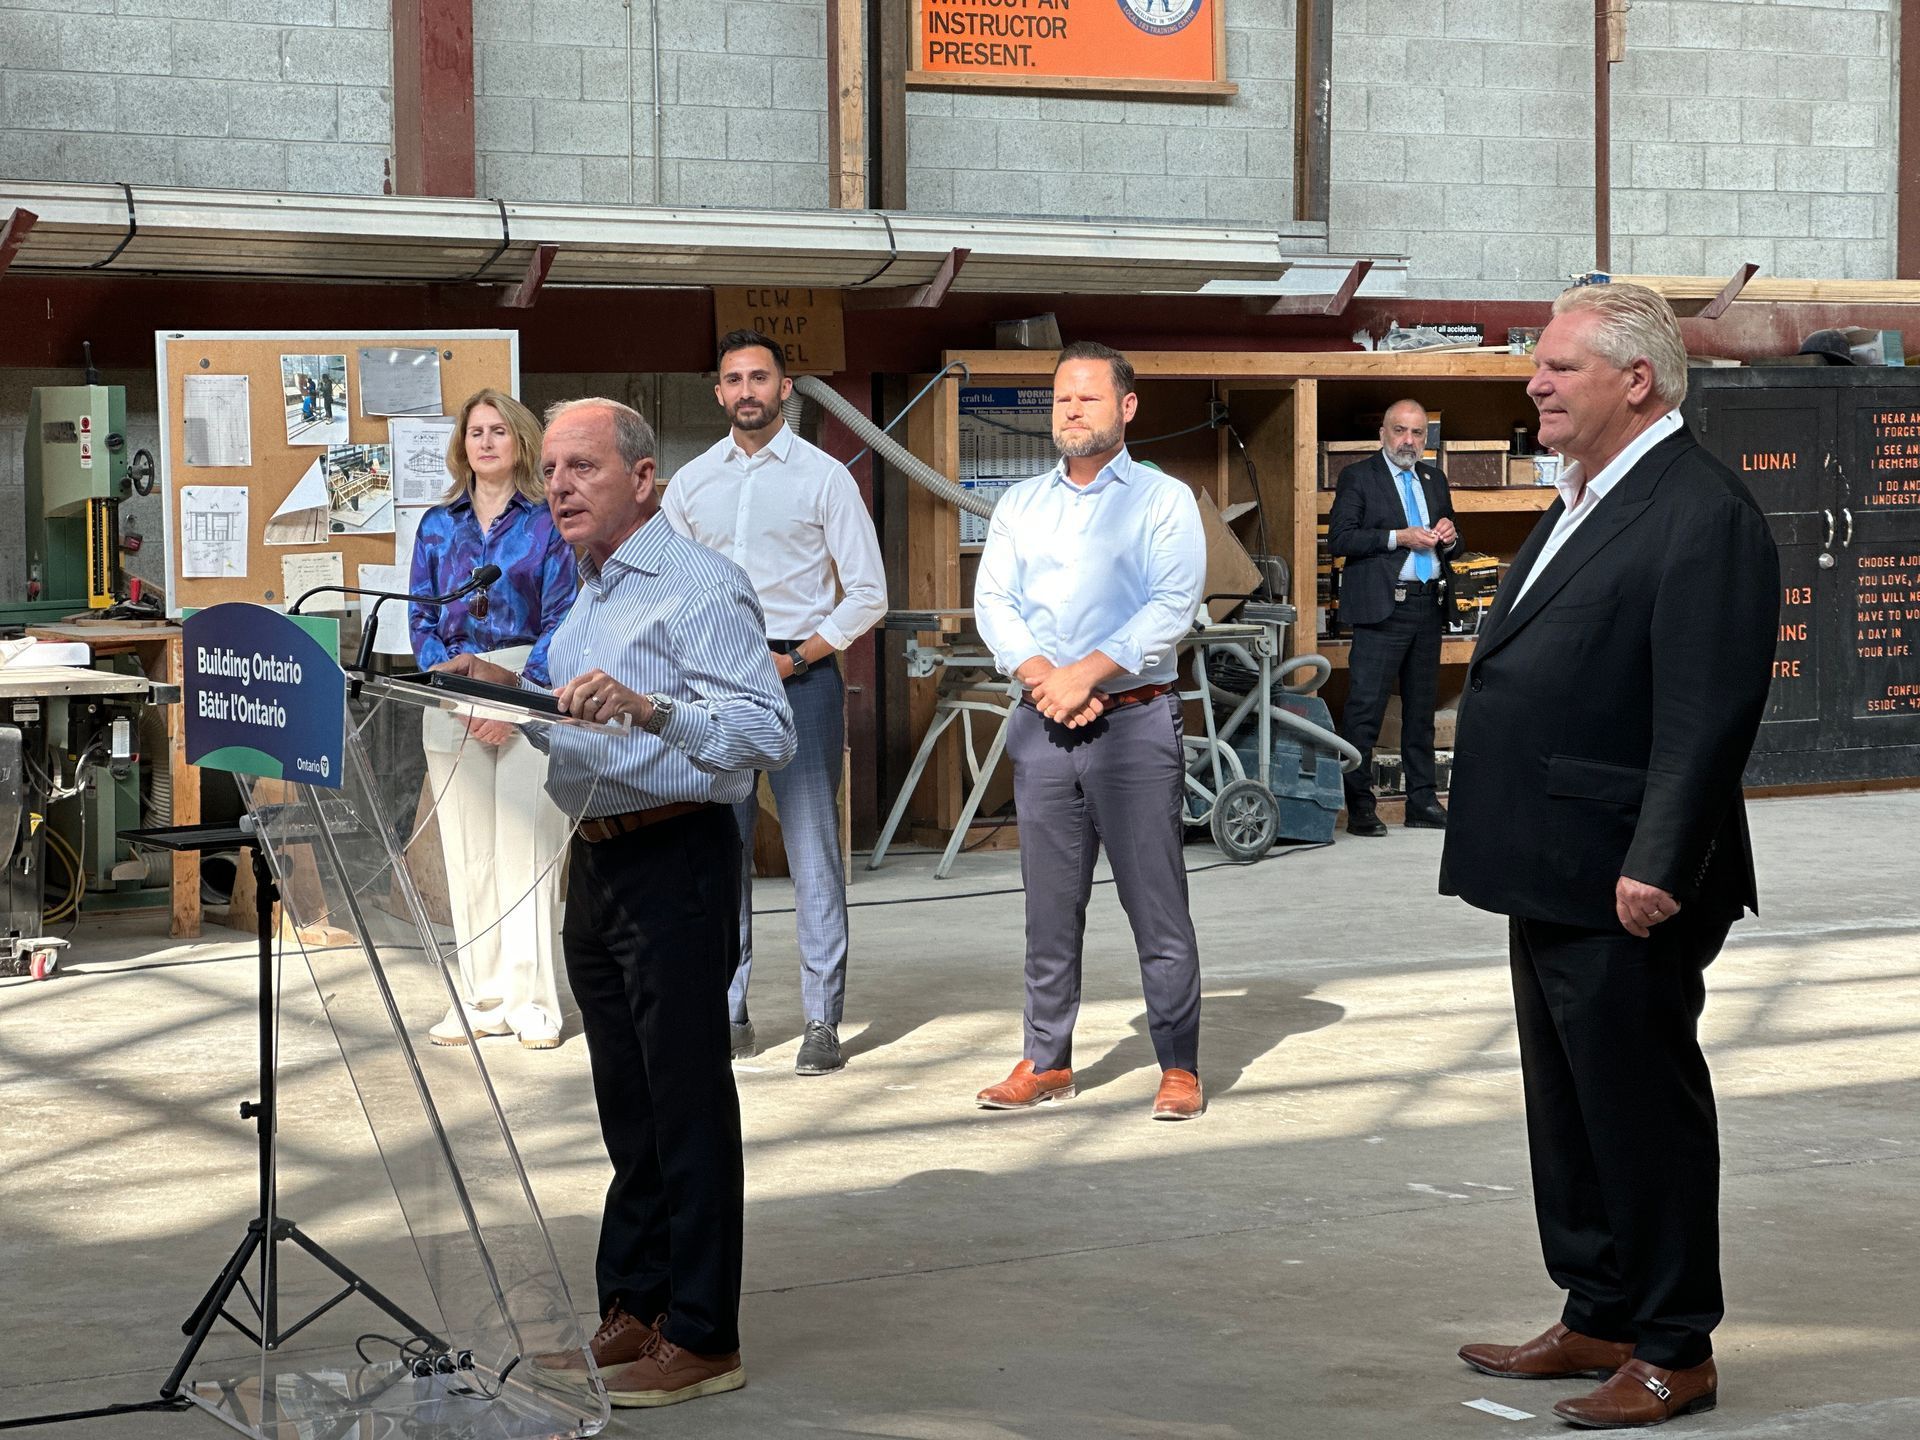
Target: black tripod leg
{"x": 201, "y": 1322}
{"x": 354, "y": 1282}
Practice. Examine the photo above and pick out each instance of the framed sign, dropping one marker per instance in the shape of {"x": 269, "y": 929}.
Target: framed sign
{"x": 1142, "y": 46}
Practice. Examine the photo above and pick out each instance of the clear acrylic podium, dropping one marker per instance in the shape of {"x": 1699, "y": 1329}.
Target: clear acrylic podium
{"x": 421, "y": 1286}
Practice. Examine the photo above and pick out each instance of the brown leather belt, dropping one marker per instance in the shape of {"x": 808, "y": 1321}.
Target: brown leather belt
{"x": 1139, "y": 695}
{"x": 606, "y": 827}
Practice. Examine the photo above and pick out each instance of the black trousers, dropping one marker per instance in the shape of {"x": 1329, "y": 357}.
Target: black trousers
{"x": 652, "y": 936}
{"x": 1403, "y": 650}
{"x": 1621, "y": 1128}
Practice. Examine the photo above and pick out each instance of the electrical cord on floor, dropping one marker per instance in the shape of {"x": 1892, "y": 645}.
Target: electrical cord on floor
{"x": 179, "y": 1402}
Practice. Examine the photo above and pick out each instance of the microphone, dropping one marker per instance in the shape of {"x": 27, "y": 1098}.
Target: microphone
{"x": 480, "y": 579}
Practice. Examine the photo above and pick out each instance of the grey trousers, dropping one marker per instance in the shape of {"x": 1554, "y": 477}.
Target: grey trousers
{"x": 806, "y": 796}
{"x": 1115, "y": 782}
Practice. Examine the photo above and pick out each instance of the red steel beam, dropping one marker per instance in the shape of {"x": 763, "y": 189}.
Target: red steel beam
{"x": 433, "y": 150}
{"x": 1334, "y": 304}
{"x": 522, "y": 296}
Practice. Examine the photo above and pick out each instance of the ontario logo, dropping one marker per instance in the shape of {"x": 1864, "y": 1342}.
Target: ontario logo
{"x": 1161, "y": 17}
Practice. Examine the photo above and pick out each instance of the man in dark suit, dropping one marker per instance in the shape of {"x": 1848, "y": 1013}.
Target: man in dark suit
{"x": 1610, "y": 706}
{"x": 1393, "y": 521}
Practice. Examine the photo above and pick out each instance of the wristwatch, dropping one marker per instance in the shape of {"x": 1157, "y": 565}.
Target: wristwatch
{"x": 797, "y": 661}
{"x": 659, "y": 712}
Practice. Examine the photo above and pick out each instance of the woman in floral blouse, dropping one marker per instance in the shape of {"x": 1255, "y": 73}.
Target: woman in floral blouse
{"x": 501, "y": 835}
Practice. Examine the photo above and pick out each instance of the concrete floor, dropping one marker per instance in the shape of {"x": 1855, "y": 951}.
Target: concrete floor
{"x": 1303, "y": 1262}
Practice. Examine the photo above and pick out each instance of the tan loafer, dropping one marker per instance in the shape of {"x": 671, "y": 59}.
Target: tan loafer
{"x": 1027, "y": 1087}
{"x": 1180, "y": 1096}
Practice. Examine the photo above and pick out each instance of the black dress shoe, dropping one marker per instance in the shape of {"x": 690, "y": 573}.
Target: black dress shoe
{"x": 745, "y": 1047}
{"x": 1368, "y": 825}
{"x": 1426, "y": 817}
{"x": 819, "y": 1050}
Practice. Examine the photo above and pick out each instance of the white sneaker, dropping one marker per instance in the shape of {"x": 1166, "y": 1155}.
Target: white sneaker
{"x": 450, "y": 1031}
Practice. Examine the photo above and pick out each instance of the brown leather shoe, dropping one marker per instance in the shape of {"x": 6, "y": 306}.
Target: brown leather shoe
{"x": 1638, "y": 1394}
{"x": 1554, "y": 1354}
{"x": 666, "y": 1375}
{"x": 1180, "y": 1097}
{"x": 621, "y": 1339}
{"x": 1027, "y": 1087}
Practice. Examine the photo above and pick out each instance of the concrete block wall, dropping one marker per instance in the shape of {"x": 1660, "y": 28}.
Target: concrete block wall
{"x": 1227, "y": 161}
{"x": 564, "y": 107}
{"x": 289, "y": 95}
{"x": 1742, "y": 130}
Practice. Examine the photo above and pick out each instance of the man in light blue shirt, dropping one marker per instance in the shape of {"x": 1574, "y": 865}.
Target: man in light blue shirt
{"x": 667, "y": 634}
{"x": 1091, "y": 575}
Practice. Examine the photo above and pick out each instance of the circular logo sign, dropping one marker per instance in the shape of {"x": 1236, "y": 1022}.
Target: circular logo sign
{"x": 1161, "y": 17}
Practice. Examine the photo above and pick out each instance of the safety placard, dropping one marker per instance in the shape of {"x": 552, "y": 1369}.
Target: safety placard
{"x": 1151, "y": 46}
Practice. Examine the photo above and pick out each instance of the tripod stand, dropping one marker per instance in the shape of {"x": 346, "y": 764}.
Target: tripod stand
{"x": 264, "y": 1234}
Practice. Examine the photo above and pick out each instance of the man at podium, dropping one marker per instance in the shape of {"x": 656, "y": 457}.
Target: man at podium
{"x": 668, "y": 635}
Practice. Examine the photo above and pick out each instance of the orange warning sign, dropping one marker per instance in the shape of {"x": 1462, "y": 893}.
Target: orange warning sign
{"x": 1147, "y": 45}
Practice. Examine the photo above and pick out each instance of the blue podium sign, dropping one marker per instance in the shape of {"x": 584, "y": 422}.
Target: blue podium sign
{"x": 264, "y": 694}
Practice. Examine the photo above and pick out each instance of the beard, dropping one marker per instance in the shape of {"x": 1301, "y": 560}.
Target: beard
{"x": 1092, "y": 443}
{"x": 1405, "y": 455}
{"x": 762, "y": 417}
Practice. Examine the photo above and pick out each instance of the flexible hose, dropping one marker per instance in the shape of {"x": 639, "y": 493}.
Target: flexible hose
{"x": 1304, "y": 728}
{"x": 884, "y": 445}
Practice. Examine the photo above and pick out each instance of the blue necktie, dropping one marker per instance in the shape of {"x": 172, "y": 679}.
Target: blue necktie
{"x": 1422, "y": 559}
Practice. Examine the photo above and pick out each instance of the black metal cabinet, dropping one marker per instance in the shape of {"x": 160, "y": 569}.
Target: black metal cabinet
{"x": 1833, "y": 457}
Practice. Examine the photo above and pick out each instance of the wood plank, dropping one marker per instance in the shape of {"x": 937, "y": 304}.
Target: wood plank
{"x": 1312, "y": 108}
{"x": 846, "y": 106}
{"x": 1454, "y": 650}
{"x": 1514, "y": 499}
{"x": 989, "y": 365}
{"x": 1773, "y": 290}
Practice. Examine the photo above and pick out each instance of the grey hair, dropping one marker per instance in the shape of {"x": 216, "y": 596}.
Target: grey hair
{"x": 1634, "y": 324}
{"x": 632, "y": 435}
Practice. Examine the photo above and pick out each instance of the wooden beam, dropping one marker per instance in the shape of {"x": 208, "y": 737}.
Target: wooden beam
{"x": 890, "y": 34}
{"x": 1907, "y": 145}
{"x": 846, "y": 106}
{"x": 911, "y": 297}
{"x": 1312, "y": 108}
{"x": 522, "y": 296}
{"x": 19, "y": 225}
{"x": 433, "y": 150}
{"x": 1334, "y": 304}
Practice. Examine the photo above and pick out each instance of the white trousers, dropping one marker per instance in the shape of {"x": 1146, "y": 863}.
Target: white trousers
{"x": 504, "y": 841}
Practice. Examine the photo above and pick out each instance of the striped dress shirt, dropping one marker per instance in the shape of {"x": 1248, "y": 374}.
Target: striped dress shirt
{"x": 666, "y": 616}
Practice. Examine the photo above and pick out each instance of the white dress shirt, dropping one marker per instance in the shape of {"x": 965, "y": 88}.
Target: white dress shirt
{"x": 1570, "y": 486}
{"x": 1115, "y": 566}
{"x": 791, "y": 517}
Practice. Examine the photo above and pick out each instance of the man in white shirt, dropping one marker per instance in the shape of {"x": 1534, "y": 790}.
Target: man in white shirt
{"x": 791, "y": 516}
{"x": 1091, "y": 574}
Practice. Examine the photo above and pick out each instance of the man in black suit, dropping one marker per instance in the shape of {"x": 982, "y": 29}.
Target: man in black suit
{"x": 1393, "y": 521}
{"x": 1611, "y": 703}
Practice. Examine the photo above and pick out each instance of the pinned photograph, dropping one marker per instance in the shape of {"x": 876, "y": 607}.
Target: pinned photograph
{"x": 400, "y": 382}
{"x": 314, "y": 388}
{"x": 360, "y": 490}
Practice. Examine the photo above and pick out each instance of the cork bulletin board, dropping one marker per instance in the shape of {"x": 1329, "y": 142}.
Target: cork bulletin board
{"x": 469, "y": 360}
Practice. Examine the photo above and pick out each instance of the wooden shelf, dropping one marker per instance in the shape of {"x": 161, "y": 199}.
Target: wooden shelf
{"x": 1516, "y": 498}
{"x": 1454, "y": 650}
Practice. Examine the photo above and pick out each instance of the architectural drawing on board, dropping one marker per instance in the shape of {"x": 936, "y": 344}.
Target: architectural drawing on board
{"x": 213, "y": 531}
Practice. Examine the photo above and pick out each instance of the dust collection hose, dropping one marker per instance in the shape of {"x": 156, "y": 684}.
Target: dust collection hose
{"x": 813, "y": 388}
{"x": 896, "y": 454}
